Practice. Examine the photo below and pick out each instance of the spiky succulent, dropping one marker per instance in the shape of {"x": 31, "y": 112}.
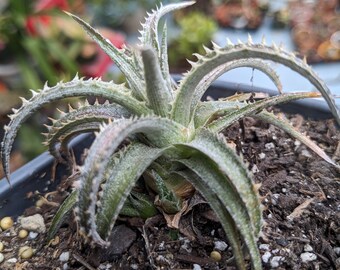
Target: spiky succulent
{"x": 168, "y": 134}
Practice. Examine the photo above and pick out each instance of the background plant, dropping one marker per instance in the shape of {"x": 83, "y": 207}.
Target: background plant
{"x": 160, "y": 129}
{"x": 191, "y": 38}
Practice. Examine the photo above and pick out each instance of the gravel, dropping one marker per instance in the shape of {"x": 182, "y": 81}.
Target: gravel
{"x": 308, "y": 257}
{"x": 33, "y": 223}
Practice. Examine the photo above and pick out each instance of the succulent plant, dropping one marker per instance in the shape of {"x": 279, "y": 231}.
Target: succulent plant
{"x": 191, "y": 38}
{"x": 160, "y": 129}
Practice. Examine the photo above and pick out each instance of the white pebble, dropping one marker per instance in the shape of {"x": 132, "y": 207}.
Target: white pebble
{"x": 297, "y": 143}
{"x": 274, "y": 251}
{"x": 264, "y": 247}
{"x": 2, "y": 257}
{"x": 65, "y": 266}
{"x": 308, "y": 257}
{"x": 337, "y": 250}
{"x": 307, "y": 248}
{"x": 12, "y": 260}
{"x": 64, "y": 257}
{"x": 161, "y": 246}
{"x": 262, "y": 155}
{"x": 306, "y": 153}
{"x": 33, "y": 235}
{"x": 269, "y": 146}
{"x": 220, "y": 245}
{"x": 33, "y": 223}
{"x": 197, "y": 267}
{"x": 186, "y": 246}
{"x": 133, "y": 266}
{"x": 275, "y": 261}
{"x": 266, "y": 256}
{"x": 255, "y": 169}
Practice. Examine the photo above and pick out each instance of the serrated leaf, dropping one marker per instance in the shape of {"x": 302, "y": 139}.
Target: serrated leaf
{"x": 223, "y": 215}
{"x": 122, "y": 178}
{"x": 157, "y": 91}
{"x": 186, "y": 94}
{"x": 159, "y": 131}
{"x": 287, "y": 127}
{"x": 231, "y": 166}
{"x": 217, "y": 183}
{"x": 77, "y": 87}
{"x": 84, "y": 119}
{"x": 230, "y": 118}
{"x": 149, "y": 34}
{"x": 138, "y": 205}
{"x": 251, "y": 63}
{"x": 208, "y": 110}
{"x": 63, "y": 211}
{"x": 121, "y": 60}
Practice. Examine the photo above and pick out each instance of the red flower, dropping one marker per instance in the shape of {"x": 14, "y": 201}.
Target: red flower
{"x": 50, "y": 4}
{"x": 34, "y": 22}
{"x": 102, "y": 62}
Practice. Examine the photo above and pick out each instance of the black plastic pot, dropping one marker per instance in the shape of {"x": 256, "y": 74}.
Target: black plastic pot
{"x": 36, "y": 175}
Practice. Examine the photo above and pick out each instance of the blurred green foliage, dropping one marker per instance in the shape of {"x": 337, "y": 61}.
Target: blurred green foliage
{"x": 197, "y": 29}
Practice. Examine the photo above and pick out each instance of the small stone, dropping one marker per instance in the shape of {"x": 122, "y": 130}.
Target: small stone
{"x": 196, "y": 267}
{"x": 262, "y": 155}
{"x": 275, "y": 261}
{"x": 307, "y": 248}
{"x": 6, "y": 223}
{"x": 255, "y": 169}
{"x": 2, "y": 257}
{"x": 12, "y": 260}
{"x": 269, "y": 146}
{"x": 220, "y": 245}
{"x": 266, "y": 256}
{"x": 22, "y": 234}
{"x": 282, "y": 242}
{"x": 134, "y": 266}
{"x": 33, "y": 235}
{"x": 305, "y": 153}
{"x": 297, "y": 143}
{"x": 186, "y": 246}
{"x": 216, "y": 256}
{"x": 337, "y": 250}
{"x": 2, "y": 246}
{"x": 64, "y": 257}
{"x": 275, "y": 251}
{"x": 308, "y": 257}
{"x": 274, "y": 198}
{"x": 65, "y": 266}
{"x": 161, "y": 246}
{"x": 337, "y": 263}
{"x": 264, "y": 247}
{"x": 25, "y": 252}
{"x": 33, "y": 223}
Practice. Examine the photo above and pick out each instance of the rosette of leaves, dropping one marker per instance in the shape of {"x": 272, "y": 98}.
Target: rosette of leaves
{"x": 167, "y": 132}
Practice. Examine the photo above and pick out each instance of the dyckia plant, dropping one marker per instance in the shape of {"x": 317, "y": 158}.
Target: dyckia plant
{"x": 160, "y": 129}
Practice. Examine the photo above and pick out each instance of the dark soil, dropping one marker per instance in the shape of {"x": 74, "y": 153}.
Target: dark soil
{"x": 300, "y": 193}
